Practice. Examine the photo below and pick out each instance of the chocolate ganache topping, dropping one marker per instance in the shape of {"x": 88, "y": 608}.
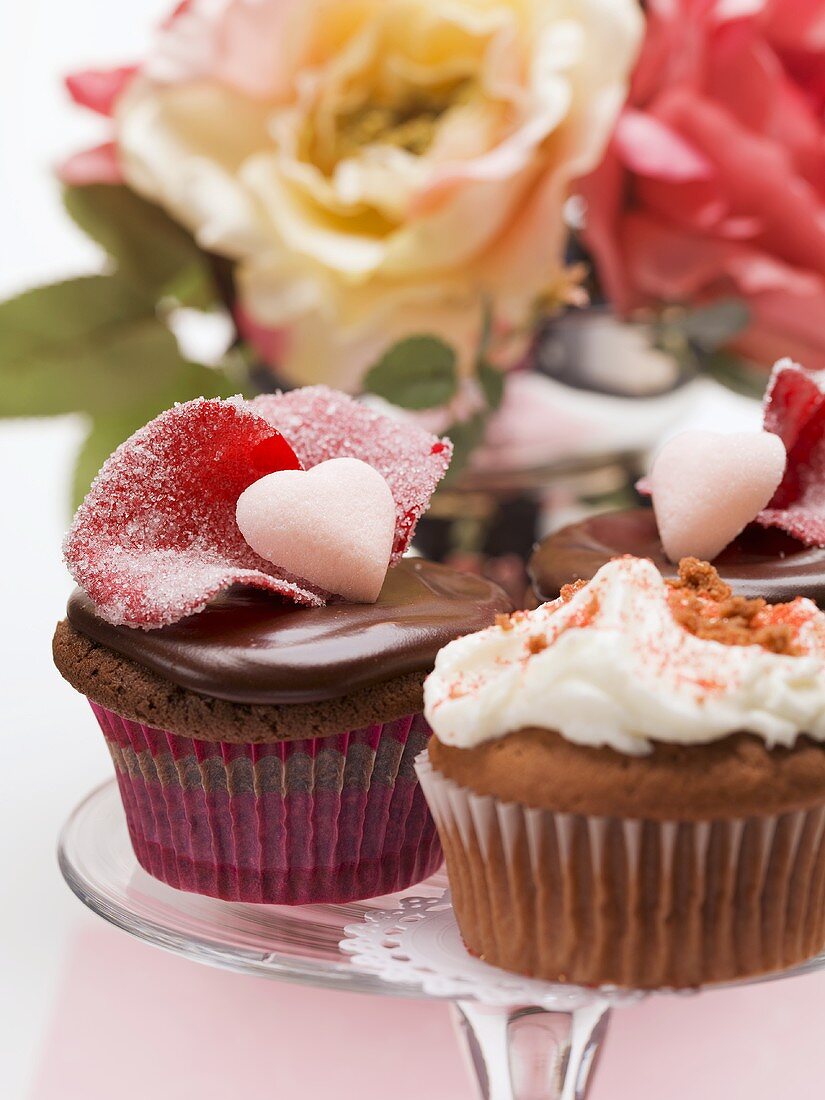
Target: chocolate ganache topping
{"x": 760, "y": 562}
{"x": 248, "y": 647}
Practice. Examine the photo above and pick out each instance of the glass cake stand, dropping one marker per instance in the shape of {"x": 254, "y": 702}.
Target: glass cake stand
{"x": 516, "y": 1051}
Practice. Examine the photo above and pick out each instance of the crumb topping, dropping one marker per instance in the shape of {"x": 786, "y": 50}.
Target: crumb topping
{"x": 609, "y": 666}
{"x": 703, "y": 605}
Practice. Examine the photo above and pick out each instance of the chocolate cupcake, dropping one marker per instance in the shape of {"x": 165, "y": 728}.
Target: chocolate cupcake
{"x": 629, "y": 784}
{"x": 759, "y": 562}
{"x": 750, "y": 502}
{"x": 263, "y": 728}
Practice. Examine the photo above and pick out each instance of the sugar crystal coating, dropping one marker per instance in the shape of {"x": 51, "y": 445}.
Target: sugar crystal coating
{"x": 156, "y": 537}
{"x": 795, "y": 411}
{"x": 322, "y": 424}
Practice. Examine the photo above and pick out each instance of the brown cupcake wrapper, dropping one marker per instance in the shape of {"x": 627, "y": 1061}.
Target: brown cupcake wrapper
{"x": 641, "y": 904}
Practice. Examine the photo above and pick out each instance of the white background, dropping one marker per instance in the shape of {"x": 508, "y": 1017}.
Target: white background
{"x": 50, "y": 756}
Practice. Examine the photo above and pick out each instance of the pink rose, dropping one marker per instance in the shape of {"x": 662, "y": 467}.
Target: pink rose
{"x": 714, "y": 183}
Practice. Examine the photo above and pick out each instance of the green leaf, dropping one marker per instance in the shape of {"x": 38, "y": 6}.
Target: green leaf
{"x": 107, "y": 432}
{"x": 416, "y": 373}
{"x": 149, "y": 248}
{"x": 88, "y": 345}
{"x": 710, "y": 327}
{"x": 109, "y": 428}
{"x": 466, "y": 436}
{"x": 491, "y": 380}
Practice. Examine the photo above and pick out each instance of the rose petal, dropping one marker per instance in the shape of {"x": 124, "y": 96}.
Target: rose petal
{"x": 795, "y": 411}
{"x": 97, "y": 165}
{"x": 98, "y": 89}
{"x": 757, "y": 179}
{"x": 156, "y": 537}
{"x": 322, "y": 424}
{"x": 650, "y": 147}
{"x": 604, "y": 196}
{"x": 741, "y": 84}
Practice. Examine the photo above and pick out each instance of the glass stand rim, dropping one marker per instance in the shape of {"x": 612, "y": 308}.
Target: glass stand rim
{"x": 96, "y": 860}
{"x": 514, "y": 1053}
{"x": 108, "y": 880}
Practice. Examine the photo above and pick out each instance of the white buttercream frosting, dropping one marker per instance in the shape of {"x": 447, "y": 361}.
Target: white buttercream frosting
{"x": 612, "y": 666}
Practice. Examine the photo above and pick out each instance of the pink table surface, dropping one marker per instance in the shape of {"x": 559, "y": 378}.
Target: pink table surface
{"x": 133, "y": 1022}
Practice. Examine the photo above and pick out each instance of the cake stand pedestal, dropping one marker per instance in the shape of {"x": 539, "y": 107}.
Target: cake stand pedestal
{"x": 531, "y": 1053}
{"x": 523, "y": 1040}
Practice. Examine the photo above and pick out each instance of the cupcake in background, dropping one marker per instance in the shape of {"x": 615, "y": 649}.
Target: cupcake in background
{"x": 629, "y": 783}
{"x": 750, "y": 502}
{"x": 253, "y": 643}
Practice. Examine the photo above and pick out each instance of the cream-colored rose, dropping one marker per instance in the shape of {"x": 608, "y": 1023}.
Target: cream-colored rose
{"x": 378, "y": 167}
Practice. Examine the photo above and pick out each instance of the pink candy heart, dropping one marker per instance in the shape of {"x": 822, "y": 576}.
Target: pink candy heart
{"x": 332, "y": 525}
{"x": 707, "y": 487}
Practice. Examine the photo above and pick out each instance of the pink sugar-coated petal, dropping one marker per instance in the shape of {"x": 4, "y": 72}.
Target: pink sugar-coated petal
{"x": 98, "y": 89}
{"x": 707, "y": 487}
{"x": 97, "y": 165}
{"x": 334, "y": 525}
{"x": 793, "y": 397}
{"x": 156, "y": 537}
{"x": 795, "y": 411}
{"x": 322, "y": 424}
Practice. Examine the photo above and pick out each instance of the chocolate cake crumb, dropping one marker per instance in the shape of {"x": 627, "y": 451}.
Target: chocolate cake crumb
{"x": 704, "y": 606}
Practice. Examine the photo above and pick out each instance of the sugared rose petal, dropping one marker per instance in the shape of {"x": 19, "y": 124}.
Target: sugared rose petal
{"x": 707, "y": 487}
{"x": 795, "y": 411}
{"x": 322, "y": 424}
{"x": 156, "y": 536}
{"x": 333, "y": 525}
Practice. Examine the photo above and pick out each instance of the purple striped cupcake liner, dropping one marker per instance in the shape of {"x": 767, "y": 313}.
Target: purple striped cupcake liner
{"x": 329, "y": 819}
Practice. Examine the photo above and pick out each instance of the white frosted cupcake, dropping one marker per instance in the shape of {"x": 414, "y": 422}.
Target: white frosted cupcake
{"x": 629, "y": 783}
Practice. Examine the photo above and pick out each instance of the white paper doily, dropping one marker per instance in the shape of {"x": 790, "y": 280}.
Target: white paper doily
{"x": 419, "y": 944}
